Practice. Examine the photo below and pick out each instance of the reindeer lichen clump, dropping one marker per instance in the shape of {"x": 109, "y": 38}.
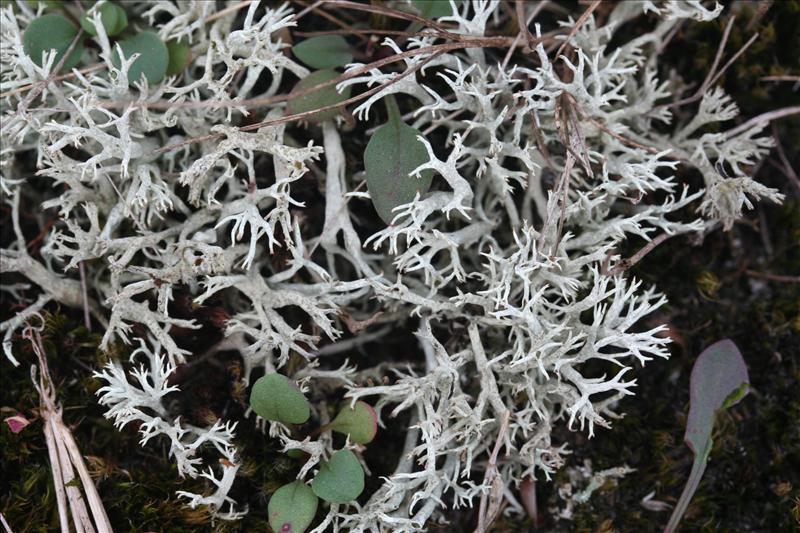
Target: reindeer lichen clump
{"x": 559, "y": 148}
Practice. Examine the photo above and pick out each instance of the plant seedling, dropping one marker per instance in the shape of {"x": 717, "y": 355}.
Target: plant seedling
{"x": 719, "y": 380}
{"x": 180, "y": 54}
{"x": 113, "y": 18}
{"x": 275, "y": 398}
{"x": 324, "y": 51}
{"x": 358, "y": 421}
{"x": 153, "y": 57}
{"x": 52, "y": 32}
{"x": 292, "y": 508}
{"x": 392, "y": 153}
{"x": 340, "y": 479}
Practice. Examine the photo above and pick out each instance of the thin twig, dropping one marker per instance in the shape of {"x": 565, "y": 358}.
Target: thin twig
{"x": 382, "y": 10}
{"x": 85, "y": 70}
{"x": 23, "y": 106}
{"x": 622, "y": 138}
{"x": 228, "y": 10}
{"x": 523, "y": 29}
{"x": 491, "y": 472}
{"x": 5, "y": 524}
{"x": 707, "y": 82}
{"x": 730, "y": 62}
{"x": 772, "y": 277}
{"x": 790, "y": 172}
{"x": 625, "y": 264}
{"x": 779, "y": 78}
{"x": 764, "y": 117}
{"x": 580, "y": 22}
{"x": 251, "y": 103}
{"x": 304, "y": 114}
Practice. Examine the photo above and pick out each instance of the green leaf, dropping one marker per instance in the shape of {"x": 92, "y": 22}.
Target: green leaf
{"x": 292, "y": 508}
{"x": 719, "y": 380}
{"x": 49, "y": 4}
{"x": 392, "y": 153}
{"x": 434, "y": 8}
{"x": 324, "y": 51}
{"x": 275, "y": 398}
{"x": 122, "y": 21}
{"x": 112, "y": 17}
{"x": 317, "y": 99}
{"x": 339, "y": 480}
{"x": 52, "y": 32}
{"x": 718, "y": 372}
{"x": 153, "y": 60}
{"x": 359, "y": 421}
{"x": 179, "y": 56}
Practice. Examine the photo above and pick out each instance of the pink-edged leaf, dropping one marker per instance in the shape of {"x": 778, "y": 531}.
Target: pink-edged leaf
{"x": 17, "y": 423}
{"x": 719, "y": 379}
{"x": 359, "y": 421}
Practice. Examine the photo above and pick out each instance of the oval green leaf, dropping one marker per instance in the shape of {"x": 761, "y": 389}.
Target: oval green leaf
{"x": 108, "y": 17}
{"x": 324, "y": 51}
{"x": 52, "y": 32}
{"x": 322, "y": 97}
{"x": 719, "y": 379}
{"x": 275, "y": 398}
{"x": 179, "y": 56}
{"x": 434, "y": 8}
{"x": 292, "y": 508}
{"x": 358, "y": 421}
{"x": 392, "y": 153}
{"x": 339, "y": 480}
{"x": 122, "y": 21}
{"x": 153, "y": 60}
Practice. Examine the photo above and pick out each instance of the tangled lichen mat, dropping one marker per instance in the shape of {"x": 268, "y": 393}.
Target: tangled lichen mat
{"x": 390, "y": 242}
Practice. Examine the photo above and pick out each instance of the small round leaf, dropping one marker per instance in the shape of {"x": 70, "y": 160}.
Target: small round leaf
{"x": 108, "y": 17}
{"x": 275, "y": 398}
{"x": 153, "y": 58}
{"x": 179, "y": 56}
{"x": 339, "y": 480}
{"x": 324, "y": 51}
{"x": 52, "y": 32}
{"x": 320, "y": 98}
{"x": 122, "y": 21}
{"x": 359, "y": 421}
{"x": 292, "y": 508}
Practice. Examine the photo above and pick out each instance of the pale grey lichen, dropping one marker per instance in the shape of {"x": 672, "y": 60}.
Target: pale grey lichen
{"x": 504, "y": 267}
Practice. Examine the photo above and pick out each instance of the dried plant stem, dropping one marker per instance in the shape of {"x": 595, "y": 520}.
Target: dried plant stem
{"x": 580, "y": 22}
{"x": 40, "y": 87}
{"x": 228, "y": 10}
{"x": 6, "y": 527}
{"x": 65, "y": 457}
{"x": 625, "y": 264}
{"x": 773, "y": 277}
{"x": 491, "y": 474}
{"x": 305, "y": 114}
{"x": 764, "y": 117}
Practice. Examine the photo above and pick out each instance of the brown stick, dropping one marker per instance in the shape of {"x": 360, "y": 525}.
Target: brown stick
{"x": 491, "y": 473}
{"x": 625, "y": 264}
{"x": 580, "y": 22}
{"x": 304, "y": 114}
{"x": 23, "y": 106}
{"x": 764, "y": 117}
{"x": 773, "y": 277}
